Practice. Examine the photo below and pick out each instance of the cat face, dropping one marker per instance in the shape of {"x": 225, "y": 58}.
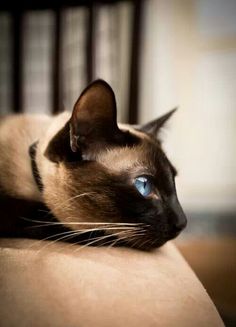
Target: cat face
{"x": 113, "y": 178}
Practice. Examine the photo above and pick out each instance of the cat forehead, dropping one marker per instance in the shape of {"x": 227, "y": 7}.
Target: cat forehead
{"x": 140, "y": 157}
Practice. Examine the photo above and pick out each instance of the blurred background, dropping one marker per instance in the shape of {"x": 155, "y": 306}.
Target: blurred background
{"x": 156, "y": 54}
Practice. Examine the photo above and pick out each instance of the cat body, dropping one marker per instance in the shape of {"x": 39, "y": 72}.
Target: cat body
{"x": 90, "y": 172}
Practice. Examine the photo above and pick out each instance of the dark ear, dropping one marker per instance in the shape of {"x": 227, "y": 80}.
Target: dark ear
{"x": 58, "y": 148}
{"x": 93, "y": 119}
{"x": 154, "y": 126}
{"x": 92, "y": 126}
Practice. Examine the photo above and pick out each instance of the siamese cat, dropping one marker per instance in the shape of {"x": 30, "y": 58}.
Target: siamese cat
{"x": 101, "y": 182}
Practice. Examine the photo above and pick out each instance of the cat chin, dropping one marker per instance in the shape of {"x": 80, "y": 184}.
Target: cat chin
{"x": 145, "y": 241}
{"x": 142, "y": 244}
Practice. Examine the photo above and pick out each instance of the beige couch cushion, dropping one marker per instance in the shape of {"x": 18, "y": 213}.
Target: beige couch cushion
{"x": 63, "y": 285}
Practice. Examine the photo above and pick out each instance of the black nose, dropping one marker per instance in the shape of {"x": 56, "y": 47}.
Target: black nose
{"x": 178, "y": 218}
{"x": 181, "y": 223}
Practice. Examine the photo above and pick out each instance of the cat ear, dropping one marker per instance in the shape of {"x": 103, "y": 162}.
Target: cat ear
{"x": 58, "y": 148}
{"x": 91, "y": 128}
{"x": 94, "y": 117}
{"x": 154, "y": 126}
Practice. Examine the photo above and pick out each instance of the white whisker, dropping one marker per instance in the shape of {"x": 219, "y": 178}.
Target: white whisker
{"x": 98, "y": 239}
{"x": 62, "y": 204}
{"x": 50, "y": 237}
{"x": 45, "y": 223}
{"x": 68, "y": 234}
{"x": 126, "y": 237}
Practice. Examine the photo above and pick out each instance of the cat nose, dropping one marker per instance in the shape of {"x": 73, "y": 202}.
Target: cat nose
{"x": 179, "y": 220}
{"x": 181, "y": 223}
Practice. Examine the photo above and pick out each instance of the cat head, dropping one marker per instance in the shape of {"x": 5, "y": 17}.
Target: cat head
{"x": 111, "y": 177}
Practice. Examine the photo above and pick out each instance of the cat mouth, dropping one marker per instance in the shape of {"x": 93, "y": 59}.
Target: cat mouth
{"x": 149, "y": 239}
{"x": 133, "y": 235}
{"x": 139, "y": 239}
{"x": 144, "y": 244}
{"x": 145, "y": 240}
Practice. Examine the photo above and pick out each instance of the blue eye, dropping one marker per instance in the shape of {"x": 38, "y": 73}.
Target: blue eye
{"x": 143, "y": 185}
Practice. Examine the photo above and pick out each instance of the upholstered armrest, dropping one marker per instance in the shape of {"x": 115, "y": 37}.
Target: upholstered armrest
{"x": 60, "y": 285}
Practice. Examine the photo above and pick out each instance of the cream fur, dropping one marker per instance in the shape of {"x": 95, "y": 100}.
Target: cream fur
{"x": 17, "y": 133}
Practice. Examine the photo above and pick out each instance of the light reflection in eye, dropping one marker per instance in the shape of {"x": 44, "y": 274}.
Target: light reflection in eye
{"x": 143, "y": 185}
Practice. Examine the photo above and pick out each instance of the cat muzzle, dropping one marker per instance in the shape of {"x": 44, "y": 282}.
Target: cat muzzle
{"x": 177, "y": 217}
